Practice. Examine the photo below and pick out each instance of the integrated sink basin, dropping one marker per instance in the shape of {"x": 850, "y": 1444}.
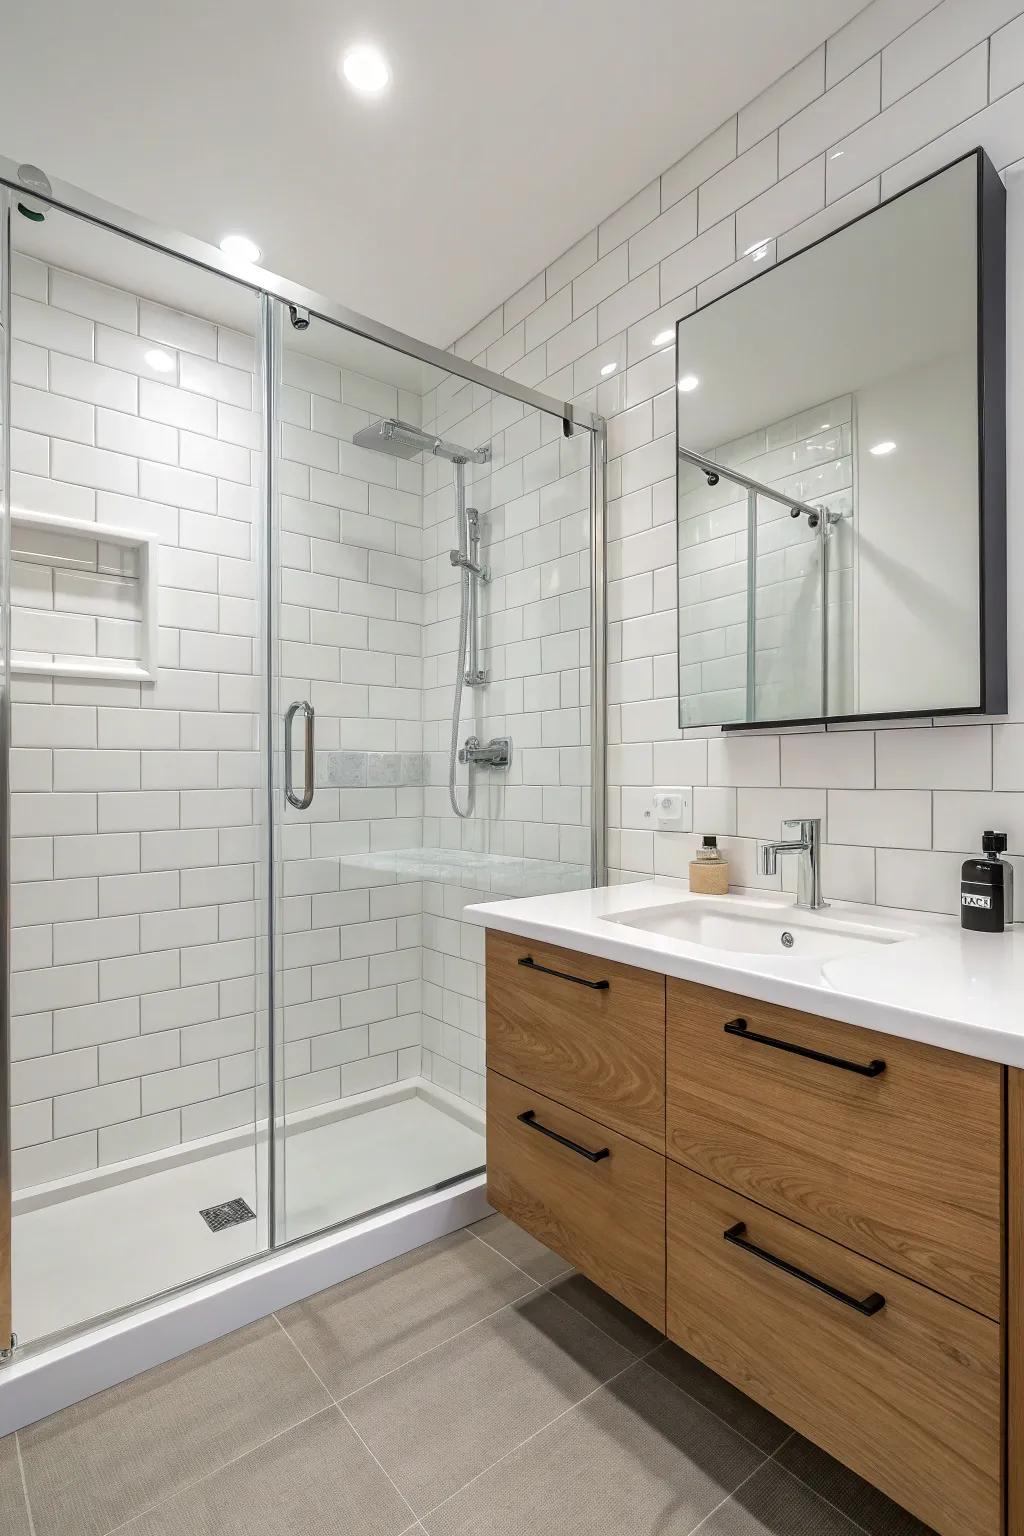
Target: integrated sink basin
{"x": 756, "y": 928}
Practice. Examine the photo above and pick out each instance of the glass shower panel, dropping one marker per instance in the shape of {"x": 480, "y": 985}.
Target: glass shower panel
{"x": 6, "y": 1320}
{"x": 138, "y": 763}
{"x": 432, "y": 562}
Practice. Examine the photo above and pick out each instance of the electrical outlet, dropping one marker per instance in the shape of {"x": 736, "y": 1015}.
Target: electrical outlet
{"x": 672, "y": 809}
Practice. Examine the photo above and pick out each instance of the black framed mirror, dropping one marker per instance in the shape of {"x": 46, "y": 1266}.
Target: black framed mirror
{"x": 841, "y": 500}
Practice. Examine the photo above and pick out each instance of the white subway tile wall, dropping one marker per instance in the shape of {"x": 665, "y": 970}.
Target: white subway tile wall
{"x": 137, "y": 816}
{"x": 903, "y": 88}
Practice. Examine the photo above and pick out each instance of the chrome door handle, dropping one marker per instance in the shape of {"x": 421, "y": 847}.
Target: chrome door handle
{"x": 305, "y": 709}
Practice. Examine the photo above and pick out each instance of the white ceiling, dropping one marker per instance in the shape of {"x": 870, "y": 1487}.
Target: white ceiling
{"x": 510, "y": 129}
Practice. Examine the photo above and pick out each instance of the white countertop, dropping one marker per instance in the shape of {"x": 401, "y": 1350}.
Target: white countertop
{"x": 963, "y": 991}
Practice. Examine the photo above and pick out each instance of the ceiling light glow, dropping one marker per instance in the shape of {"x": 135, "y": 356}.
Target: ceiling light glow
{"x": 608, "y": 368}
{"x": 241, "y": 248}
{"x": 662, "y": 339}
{"x": 161, "y": 362}
{"x": 366, "y": 69}
{"x": 760, "y": 246}
{"x": 687, "y": 382}
{"x": 880, "y": 449}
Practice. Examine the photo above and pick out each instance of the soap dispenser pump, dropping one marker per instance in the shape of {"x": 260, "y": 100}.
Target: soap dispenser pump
{"x": 986, "y": 888}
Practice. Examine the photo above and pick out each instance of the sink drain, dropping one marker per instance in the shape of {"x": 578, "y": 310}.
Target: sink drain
{"x": 788, "y": 940}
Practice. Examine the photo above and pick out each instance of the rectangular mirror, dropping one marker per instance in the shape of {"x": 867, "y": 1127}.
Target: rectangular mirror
{"x": 841, "y": 471}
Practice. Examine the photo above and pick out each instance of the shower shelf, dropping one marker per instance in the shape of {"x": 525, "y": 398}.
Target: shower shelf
{"x": 52, "y": 549}
{"x": 493, "y": 872}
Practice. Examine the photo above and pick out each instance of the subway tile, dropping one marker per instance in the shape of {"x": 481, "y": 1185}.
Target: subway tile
{"x": 949, "y": 757}
{"x": 895, "y": 818}
{"x": 782, "y": 100}
{"x": 831, "y": 217}
{"x": 74, "y": 1113}
{"x": 644, "y": 206}
{"x": 921, "y": 881}
{"x": 175, "y": 329}
{"x": 1006, "y": 58}
{"x": 624, "y": 308}
{"x": 94, "y": 300}
{"x": 961, "y": 818}
{"x": 707, "y": 254}
{"x": 561, "y": 272}
{"x": 750, "y": 173}
{"x": 999, "y": 129}
{"x": 791, "y": 200}
{"x": 947, "y": 98}
{"x": 842, "y": 109}
{"x": 663, "y": 235}
{"x": 829, "y": 759}
{"x": 869, "y": 31}
{"x": 54, "y": 329}
{"x": 942, "y": 35}
{"x": 701, "y": 163}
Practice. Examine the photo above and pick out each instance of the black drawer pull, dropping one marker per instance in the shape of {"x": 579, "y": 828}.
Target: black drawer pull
{"x": 528, "y": 1117}
{"x": 868, "y": 1307}
{"x": 581, "y": 981}
{"x": 739, "y": 1028}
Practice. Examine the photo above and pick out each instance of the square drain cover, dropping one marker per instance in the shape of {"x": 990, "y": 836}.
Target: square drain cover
{"x": 217, "y": 1217}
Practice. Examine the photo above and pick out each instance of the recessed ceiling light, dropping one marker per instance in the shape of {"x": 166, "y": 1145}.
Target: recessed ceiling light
{"x": 241, "y": 248}
{"x": 162, "y": 362}
{"x": 366, "y": 69}
{"x": 879, "y": 449}
{"x": 687, "y": 382}
{"x": 662, "y": 338}
{"x": 608, "y": 368}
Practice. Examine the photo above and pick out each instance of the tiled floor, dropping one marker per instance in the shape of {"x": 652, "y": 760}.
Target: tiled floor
{"x": 473, "y": 1388}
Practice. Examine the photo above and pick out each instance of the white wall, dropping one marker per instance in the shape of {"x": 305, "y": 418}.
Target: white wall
{"x": 901, "y": 90}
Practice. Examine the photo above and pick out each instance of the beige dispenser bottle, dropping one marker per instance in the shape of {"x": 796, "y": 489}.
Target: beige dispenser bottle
{"x": 709, "y": 871}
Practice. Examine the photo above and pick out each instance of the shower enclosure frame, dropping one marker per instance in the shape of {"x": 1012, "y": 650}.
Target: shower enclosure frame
{"x": 157, "y": 1325}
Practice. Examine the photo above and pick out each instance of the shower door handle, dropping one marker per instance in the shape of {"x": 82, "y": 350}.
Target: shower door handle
{"x": 305, "y": 709}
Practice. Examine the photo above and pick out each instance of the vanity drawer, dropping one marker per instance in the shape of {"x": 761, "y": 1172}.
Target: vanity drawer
{"x": 606, "y": 1216}
{"x": 908, "y": 1396}
{"x": 902, "y": 1164}
{"x": 585, "y": 1031}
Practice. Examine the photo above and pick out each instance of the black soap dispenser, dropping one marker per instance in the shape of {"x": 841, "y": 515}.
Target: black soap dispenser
{"x": 986, "y": 888}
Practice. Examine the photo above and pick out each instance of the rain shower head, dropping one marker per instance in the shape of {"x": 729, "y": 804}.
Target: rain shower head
{"x": 403, "y": 441}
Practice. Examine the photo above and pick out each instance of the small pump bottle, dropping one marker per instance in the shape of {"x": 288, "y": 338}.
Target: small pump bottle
{"x": 986, "y": 888}
{"x": 709, "y": 871}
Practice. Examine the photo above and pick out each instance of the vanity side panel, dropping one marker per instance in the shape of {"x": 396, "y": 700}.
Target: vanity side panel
{"x": 1015, "y": 1302}
{"x": 908, "y": 1397}
{"x": 585, "y": 1031}
{"x": 605, "y": 1217}
{"x": 904, "y": 1167}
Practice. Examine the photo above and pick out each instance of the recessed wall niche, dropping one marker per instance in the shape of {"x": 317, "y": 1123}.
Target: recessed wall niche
{"x": 83, "y": 599}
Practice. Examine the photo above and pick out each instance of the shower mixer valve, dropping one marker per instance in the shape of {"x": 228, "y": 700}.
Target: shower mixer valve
{"x": 496, "y": 753}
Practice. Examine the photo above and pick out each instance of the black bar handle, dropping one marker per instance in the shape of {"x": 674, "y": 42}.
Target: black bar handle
{"x": 529, "y": 1117}
{"x": 867, "y": 1308}
{"x": 581, "y": 981}
{"x": 739, "y": 1028}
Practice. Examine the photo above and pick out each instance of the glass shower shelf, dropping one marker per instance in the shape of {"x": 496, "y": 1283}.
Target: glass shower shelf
{"x": 493, "y": 872}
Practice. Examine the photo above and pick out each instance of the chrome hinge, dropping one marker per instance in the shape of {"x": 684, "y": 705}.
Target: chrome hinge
{"x": 8, "y": 1353}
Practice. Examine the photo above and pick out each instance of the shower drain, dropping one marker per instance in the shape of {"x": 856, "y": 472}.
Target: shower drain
{"x": 229, "y": 1214}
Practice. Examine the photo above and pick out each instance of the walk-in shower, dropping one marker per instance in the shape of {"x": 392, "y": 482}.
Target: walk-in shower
{"x": 240, "y": 632}
{"x": 405, "y": 441}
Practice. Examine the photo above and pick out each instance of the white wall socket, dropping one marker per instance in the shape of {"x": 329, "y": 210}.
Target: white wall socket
{"x": 673, "y": 809}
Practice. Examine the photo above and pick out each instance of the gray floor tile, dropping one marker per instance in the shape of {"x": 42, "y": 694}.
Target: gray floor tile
{"x": 316, "y": 1478}
{"x": 445, "y": 1417}
{"x": 739, "y": 1411}
{"x": 623, "y": 1325}
{"x": 866, "y": 1507}
{"x": 12, "y": 1498}
{"x": 520, "y": 1248}
{"x": 106, "y": 1459}
{"x": 376, "y": 1321}
{"x": 638, "y": 1458}
{"x": 774, "y": 1504}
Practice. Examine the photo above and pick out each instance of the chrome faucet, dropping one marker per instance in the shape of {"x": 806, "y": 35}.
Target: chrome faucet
{"x": 808, "y": 846}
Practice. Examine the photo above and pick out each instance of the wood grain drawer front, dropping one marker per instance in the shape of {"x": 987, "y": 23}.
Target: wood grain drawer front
{"x": 907, "y": 1395}
{"x": 585, "y": 1031}
{"x": 903, "y": 1166}
{"x": 606, "y": 1216}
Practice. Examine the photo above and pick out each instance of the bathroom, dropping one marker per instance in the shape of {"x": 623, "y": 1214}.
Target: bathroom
{"x": 595, "y": 590}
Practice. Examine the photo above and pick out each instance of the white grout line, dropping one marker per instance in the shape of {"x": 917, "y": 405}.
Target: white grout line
{"x": 345, "y": 1419}
{"x": 722, "y": 1502}
{"x": 24, "y": 1485}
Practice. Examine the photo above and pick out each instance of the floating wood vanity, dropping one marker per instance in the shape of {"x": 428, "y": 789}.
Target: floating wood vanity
{"x": 817, "y": 1211}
